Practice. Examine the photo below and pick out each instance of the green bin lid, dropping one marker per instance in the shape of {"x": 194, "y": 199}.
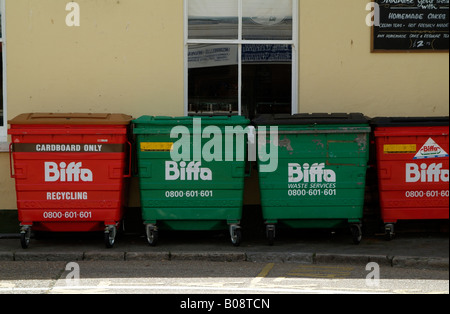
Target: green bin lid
{"x": 186, "y": 121}
{"x": 311, "y": 119}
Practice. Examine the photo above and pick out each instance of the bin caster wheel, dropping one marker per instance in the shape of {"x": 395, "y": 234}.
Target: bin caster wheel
{"x": 110, "y": 236}
{"x": 270, "y": 232}
{"x": 389, "y": 232}
{"x": 356, "y": 234}
{"x": 152, "y": 235}
{"x": 237, "y": 238}
{"x": 236, "y": 235}
{"x": 25, "y": 236}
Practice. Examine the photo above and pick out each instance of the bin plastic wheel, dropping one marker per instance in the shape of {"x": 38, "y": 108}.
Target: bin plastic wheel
{"x": 271, "y": 237}
{"x": 152, "y": 237}
{"x": 270, "y": 232}
{"x": 389, "y": 232}
{"x": 25, "y": 236}
{"x": 110, "y": 236}
{"x": 356, "y": 234}
{"x": 236, "y": 238}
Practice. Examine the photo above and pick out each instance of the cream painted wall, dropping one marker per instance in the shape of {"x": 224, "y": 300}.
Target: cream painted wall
{"x": 7, "y": 190}
{"x": 126, "y": 56}
{"x": 337, "y": 72}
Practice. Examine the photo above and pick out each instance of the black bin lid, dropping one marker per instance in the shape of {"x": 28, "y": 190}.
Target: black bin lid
{"x": 311, "y": 119}
{"x": 409, "y": 121}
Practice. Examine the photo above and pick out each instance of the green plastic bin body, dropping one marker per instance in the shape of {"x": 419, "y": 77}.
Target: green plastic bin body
{"x": 320, "y": 179}
{"x": 188, "y": 194}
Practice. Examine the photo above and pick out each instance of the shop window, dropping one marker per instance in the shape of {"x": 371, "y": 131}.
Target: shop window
{"x": 241, "y": 57}
{"x": 213, "y": 78}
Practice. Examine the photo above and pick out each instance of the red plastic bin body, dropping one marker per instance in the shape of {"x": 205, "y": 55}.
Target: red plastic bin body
{"x": 413, "y": 172}
{"x": 70, "y": 177}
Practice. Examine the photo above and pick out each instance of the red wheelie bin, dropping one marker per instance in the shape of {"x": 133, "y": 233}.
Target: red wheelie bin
{"x": 70, "y": 172}
{"x": 413, "y": 169}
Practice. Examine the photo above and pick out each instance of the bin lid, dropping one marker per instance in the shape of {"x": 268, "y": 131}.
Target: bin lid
{"x": 186, "y": 121}
{"x": 311, "y": 119}
{"x": 71, "y": 119}
{"x": 409, "y": 121}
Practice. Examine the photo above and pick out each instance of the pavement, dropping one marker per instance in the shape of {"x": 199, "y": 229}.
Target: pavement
{"x": 408, "y": 250}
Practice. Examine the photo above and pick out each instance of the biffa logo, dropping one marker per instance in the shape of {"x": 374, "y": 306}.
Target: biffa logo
{"x": 313, "y": 173}
{"x": 191, "y": 172}
{"x": 431, "y": 150}
{"x": 431, "y": 173}
{"x": 67, "y": 173}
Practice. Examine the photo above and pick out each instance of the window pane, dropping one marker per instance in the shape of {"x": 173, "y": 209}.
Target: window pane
{"x": 213, "y": 19}
{"x": 266, "y": 79}
{"x": 213, "y": 79}
{"x": 267, "y": 20}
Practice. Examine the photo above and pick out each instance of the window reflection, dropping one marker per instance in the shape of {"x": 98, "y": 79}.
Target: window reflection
{"x": 267, "y": 20}
{"x": 213, "y": 19}
{"x": 213, "y": 80}
{"x": 266, "y": 79}
{"x": 262, "y": 19}
{"x": 213, "y": 67}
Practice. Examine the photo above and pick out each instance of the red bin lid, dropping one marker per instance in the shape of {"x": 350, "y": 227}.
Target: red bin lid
{"x": 71, "y": 119}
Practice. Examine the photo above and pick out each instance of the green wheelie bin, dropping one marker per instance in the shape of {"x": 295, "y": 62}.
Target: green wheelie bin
{"x": 320, "y": 178}
{"x": 191, "y": 173}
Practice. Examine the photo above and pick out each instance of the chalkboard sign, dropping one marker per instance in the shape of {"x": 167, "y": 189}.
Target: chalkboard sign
{"x": 411, "y": 25}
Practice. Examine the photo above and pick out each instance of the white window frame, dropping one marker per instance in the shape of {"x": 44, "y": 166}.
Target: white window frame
{"x": 239, "y": 42}
{"x": 4, "y": 128}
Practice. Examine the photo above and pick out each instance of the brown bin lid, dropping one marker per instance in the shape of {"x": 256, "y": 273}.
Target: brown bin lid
{"x": 72, "y": 119}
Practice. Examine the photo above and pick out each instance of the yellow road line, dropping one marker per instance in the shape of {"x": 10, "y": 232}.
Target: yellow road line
{"x": 263, "y": 274}
{"x": 314, "y": 271}
{"x": 266, "y": 270}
